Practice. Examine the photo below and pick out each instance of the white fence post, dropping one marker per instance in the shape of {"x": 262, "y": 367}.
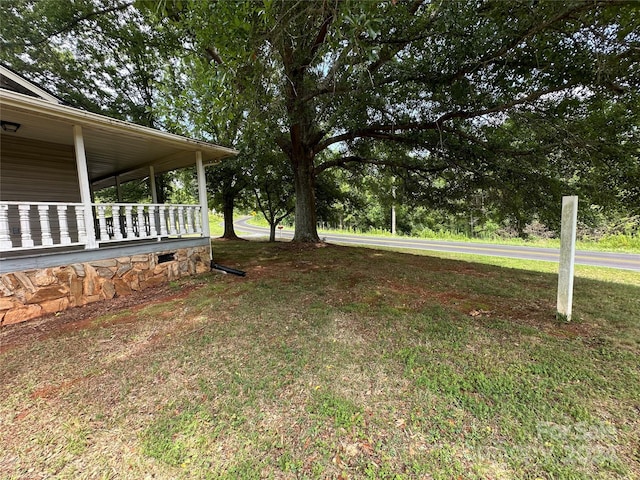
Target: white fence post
{"x": 181, "y": 221}
{"x": 197, "y": 219}
{"x": 172, "y": 221}
{"x": 152, "y": 221}
{"x": 115, "y": 215}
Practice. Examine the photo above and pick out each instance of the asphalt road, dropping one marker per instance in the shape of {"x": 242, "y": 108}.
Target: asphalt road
{"x": 625, "y": 261}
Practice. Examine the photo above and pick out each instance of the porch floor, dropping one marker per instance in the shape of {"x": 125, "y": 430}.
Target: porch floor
{"x": 20, "y": 260}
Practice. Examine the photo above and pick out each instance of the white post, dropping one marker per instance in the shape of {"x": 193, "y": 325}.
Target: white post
{"x": 172, "y": 221}
{"x": 25, "y": 226}
{"x": 197, "y": 220}
{"x": 189, "y": 219}
{"x": 85, "y": 189}
{"x": 82, "y": 234}
{"x": 5, "y": 236}
{"x": 567, "y": 256}
{"x": 115, "y": 218}
{"x": 163, "y": 221}
{"x": 393, "y": 219}
{"x": 152, "y": 221}
{"x": 129, "y": 219}
{"x": 393, "y": 209}
{"x": 45, "y": 226}
{"x": 142, "y": 227}
{"x": 102, "y": 223}
{"x": 152, "y": 184}
{"x": 202, "y": 195}
{"x": 180, "y": 222}
{"x": 65, "y": 239}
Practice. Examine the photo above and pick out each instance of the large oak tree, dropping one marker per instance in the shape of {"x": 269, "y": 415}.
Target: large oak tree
{"x": 334, "y": 82}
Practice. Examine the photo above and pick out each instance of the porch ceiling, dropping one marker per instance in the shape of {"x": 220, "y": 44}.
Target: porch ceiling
{"x": 112, "y": 147}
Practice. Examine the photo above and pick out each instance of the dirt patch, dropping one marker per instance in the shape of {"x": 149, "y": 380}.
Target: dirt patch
{"x": 79, "y": 318}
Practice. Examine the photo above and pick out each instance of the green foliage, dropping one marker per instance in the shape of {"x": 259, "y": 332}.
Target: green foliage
{"x": 96, "y": 55}
{"x": 516, "y": 103}
{"x": 523, "y": 102}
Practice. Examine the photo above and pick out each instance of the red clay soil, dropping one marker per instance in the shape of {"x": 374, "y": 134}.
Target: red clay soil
{"x": 78, "y": 318}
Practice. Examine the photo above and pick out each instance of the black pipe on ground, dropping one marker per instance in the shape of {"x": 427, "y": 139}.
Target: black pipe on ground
{"x": 222, "y": 268}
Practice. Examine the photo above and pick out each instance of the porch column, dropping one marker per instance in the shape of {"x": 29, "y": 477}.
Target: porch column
{"x": 152, "y": 184}
{"x": 85, "y": 190}
{"x": 202, "y": 196}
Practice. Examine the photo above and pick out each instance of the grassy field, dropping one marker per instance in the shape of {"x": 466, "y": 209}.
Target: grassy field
{"x": 337, "y": 362}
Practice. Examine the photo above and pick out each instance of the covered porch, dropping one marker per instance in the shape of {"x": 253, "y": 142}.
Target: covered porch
{"x": 54, "y": 158}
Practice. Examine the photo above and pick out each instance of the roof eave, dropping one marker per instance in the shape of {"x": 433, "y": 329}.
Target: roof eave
{"x": 83, "y": 118}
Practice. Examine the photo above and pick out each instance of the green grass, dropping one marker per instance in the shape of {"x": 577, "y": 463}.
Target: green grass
{"x": 215, "y": 225}
{"x": 336, "y": 362}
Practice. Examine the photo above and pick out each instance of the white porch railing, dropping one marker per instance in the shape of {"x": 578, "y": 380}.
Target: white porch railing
{"x": 29, "y": 225}
{"x": 35, "y": 225}
{"x": 130, "y": 221}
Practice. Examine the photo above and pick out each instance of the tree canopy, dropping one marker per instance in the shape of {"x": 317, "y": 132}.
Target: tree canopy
{"x": 524, "y": 101}
{"x": 467, "y": 94}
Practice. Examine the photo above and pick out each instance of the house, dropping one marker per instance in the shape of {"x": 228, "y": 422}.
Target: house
{"x": 59, "y": 248}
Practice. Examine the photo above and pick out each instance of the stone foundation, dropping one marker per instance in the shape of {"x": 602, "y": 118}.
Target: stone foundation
{"x": 33, "y": 293}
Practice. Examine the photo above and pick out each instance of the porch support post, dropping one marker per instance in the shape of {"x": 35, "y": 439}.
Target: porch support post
{"x": 152, "y": 184}
{"x": 202, "y": 198}
{"x": 85, "y": 190}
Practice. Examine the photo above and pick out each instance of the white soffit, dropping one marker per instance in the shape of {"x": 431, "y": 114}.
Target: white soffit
{"x": 113, "y": 147}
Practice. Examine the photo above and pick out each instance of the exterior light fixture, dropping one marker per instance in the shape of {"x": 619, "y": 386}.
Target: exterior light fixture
{"x": 10, "y": 127}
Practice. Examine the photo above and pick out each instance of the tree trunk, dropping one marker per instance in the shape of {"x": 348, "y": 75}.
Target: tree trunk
{"x": 306, "y": 227}
{"x": 272, "y": 231}
{"x": 227, "y": 210}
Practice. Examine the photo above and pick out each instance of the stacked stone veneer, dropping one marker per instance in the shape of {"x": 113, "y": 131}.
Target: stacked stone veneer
{"x": 33, "y": 293}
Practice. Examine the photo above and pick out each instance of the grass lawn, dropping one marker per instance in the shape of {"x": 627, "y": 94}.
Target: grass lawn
{"x": 337, "y": 362}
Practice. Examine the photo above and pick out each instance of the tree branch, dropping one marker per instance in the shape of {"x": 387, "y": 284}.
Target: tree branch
{"x": 214, "y": 55}
{"x": 75, "y": 22}
{"x": 322, "y": 34}
{"x": 494, "y": 56}
{"x": 344, "y": 161}
{"x": 387, "y": 52}
{"x": 388, "y": 131}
